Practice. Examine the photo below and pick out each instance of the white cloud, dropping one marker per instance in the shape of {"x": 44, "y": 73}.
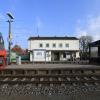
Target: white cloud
{"x": 91, "y": 27}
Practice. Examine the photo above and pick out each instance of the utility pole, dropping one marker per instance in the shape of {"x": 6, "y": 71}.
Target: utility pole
{"x": 10, "y": 20}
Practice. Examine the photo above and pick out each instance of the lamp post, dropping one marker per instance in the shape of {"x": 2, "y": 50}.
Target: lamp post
{"x": 10, "y": 20}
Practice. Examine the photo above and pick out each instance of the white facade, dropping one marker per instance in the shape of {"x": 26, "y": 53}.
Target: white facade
{"x": 56, "y": 49}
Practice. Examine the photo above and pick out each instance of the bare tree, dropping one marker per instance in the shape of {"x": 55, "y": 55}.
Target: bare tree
{"x": 84, "y": 46}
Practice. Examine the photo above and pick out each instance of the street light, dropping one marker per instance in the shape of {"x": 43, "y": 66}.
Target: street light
{"x": 10, "y": 34}
{"x": 10, "y": 15}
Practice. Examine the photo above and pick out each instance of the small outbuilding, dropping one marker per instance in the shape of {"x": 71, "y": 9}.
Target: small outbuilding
{"x": 94, "y": 52}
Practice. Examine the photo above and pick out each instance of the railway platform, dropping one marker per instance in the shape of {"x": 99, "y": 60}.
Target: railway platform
{"x": 50, "y": 66}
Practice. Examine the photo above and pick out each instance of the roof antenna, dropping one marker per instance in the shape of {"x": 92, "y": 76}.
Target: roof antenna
{"x": 37, "y": 30}
{"x": 38, "y": 36}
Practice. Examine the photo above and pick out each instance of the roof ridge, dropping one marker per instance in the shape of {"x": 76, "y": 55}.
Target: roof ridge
{"x": 50, "y": 38}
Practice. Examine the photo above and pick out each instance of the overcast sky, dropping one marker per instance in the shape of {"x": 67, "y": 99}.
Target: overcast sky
{"x": 50, "y": 18}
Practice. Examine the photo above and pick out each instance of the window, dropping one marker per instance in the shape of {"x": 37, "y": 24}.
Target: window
{"x": 39, "y": 53}
{"x": 47, "y": 45}
{"x": 41, "y": 45}
{"x": 60, "y": 45}
{"x": 66, "y": 45}
{"x": 54, "y": 45}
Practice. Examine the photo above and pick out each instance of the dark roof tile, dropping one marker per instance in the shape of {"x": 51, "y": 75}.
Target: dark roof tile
{"x": 95, "y": 43}
{"x": 53, "y": 38}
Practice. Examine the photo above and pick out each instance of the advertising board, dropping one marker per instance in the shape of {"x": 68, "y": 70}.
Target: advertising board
{"x": 39, "y": 55}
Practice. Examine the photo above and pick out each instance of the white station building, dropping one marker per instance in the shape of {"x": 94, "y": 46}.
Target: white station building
{"x": 49, "y": 49}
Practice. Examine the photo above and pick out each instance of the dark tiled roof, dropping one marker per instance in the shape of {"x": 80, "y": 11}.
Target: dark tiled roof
{"x": 96, "y": 43}
{"x": 52, "y": 38}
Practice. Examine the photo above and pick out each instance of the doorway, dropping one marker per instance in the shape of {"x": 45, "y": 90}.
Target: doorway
{"x": 56, "y": 56}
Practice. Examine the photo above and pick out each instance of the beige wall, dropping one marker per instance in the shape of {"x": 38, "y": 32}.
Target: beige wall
{"x": 73, "y": 44}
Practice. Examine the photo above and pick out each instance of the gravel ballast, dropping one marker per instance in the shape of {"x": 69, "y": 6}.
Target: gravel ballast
{"x": 30, "y": 89}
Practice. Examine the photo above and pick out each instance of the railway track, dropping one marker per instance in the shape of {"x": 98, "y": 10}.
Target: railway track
{"x": 42, "y": 77}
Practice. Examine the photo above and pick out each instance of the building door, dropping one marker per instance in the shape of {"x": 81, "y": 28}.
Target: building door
{"x": 56, "y": 56}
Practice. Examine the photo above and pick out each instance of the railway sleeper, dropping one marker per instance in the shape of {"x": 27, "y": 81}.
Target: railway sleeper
{"x": 51, "y": 79}
{"x": 46, "y": 83}
{"x": 94, "y": 78}
{"x": 52, "y": 75}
